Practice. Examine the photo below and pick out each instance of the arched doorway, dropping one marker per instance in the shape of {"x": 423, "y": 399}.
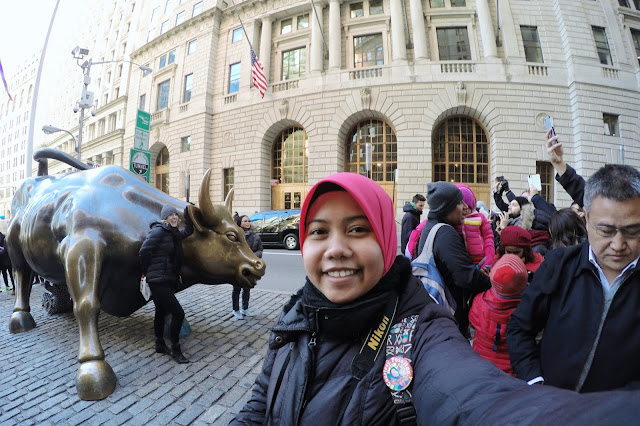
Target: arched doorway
{"x": 384, "y": 152}
{"x": 461, "y": 155}
{"x": 289, "y": 169}
{"x": 162, "y": 170}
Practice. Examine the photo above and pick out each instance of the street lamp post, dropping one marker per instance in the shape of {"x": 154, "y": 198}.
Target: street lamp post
{"x": 51, "y": 129}
{"x": 86, "y": 99}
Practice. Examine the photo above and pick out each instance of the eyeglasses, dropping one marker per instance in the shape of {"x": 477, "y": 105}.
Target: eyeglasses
{"x": 607, "y": 231}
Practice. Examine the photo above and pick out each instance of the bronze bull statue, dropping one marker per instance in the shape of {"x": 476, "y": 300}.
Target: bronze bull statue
{"x": 85, "y": 229}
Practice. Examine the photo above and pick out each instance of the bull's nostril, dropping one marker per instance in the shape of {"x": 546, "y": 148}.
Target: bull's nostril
{"x": 246, "y": 272}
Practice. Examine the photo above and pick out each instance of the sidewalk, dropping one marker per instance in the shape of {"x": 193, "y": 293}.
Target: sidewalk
{"x": 37, "y": 368}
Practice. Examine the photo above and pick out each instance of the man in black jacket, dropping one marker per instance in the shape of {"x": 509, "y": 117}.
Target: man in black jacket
{"x": 411, "y": 219}
{"x": 458, "y": 271}
{"x": 586, "y": 298}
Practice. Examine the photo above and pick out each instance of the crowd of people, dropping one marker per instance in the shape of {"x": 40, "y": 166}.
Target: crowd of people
{"x": 545, "y": 295}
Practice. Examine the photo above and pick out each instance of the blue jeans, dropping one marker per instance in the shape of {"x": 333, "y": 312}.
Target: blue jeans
{"x": 235, "y": 298}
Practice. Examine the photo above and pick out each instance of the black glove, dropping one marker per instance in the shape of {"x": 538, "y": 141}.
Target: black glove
{"x": 504, "y": 186}
{"x": 187, "y": 218}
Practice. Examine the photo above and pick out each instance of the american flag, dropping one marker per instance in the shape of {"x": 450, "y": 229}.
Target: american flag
{"x": 7, "y": 88}
{"x": 257, "y": 72}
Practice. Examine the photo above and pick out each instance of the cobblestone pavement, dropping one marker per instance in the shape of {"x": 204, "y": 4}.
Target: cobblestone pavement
{"x": 37, "y": 368}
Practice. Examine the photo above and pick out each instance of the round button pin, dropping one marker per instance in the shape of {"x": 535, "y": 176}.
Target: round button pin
{"x": 397, "y": 373}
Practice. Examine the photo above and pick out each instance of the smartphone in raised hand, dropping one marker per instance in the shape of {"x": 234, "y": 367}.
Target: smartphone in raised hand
{"x": 548, "y": 123}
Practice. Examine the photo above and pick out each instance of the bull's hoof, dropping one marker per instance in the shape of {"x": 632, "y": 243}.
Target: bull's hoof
{"x": 95, "y": 380}
{"x": 20, "y": 322}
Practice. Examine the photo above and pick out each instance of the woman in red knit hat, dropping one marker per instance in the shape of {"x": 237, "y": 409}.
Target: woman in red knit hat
{"x": 517, "y": 240}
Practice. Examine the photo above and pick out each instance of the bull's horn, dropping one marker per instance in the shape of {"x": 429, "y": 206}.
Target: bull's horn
{"x": 229, "y": 201}
{"x": 204, "y": 199}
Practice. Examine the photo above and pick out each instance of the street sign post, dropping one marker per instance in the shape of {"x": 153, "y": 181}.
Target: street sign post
{"x": 140, "y": 163}
{"x": 141, "y": 135}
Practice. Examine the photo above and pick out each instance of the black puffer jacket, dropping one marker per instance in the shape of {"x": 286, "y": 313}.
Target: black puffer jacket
{"x": 254, "y": 242}
{"x": 451, "y": 384}
{"x": 410, "y": 220}
{"x": 161, "y": 252}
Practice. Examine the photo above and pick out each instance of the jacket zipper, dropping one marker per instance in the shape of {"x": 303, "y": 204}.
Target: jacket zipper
{"x": 309, "y": 380}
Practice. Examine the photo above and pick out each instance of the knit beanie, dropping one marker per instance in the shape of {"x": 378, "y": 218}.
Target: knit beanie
{"x": 442, "y": 197}
{"x": 521, "y": 201}
{"x": 167, "y": 210}
{"x": 508, "y": 276}
{"x": 514, "y": 235}
{"x": 467, "y": 195}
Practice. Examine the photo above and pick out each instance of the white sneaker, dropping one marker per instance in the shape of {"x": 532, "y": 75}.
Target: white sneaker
{"x": 246, "y": 312}
{"x": 237, "y": 315}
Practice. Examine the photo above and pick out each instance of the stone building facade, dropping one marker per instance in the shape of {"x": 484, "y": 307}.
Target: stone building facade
{"x": 437, "y": 89}
{"x": 448, "y": 89}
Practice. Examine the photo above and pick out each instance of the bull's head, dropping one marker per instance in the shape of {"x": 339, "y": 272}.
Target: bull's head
{"x": 217, "y": 252}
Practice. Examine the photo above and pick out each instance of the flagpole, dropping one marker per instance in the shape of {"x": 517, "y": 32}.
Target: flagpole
{"x": 242, "y": 25}
{"x": 34, "y": 102}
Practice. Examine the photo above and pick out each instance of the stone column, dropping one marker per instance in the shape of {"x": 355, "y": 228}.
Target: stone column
{"x": 335, "y": 36}
{"x": 265, "y": 45}
{"x": 419, "y": 32}
{"x": 508, "y": 27}
{"x": 398, "y": 40}
{"x": 486, "y": 29}
{"x": 317, "y": 43}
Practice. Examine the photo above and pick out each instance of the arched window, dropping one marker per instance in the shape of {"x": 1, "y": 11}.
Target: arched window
{"x": 289, "y": 168}
{"x": 384, "y": 152}
{"x": 162, "y": 170}
{"x": 461, "y": 154}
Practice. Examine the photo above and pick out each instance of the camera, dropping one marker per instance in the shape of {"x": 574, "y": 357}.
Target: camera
{"x": 76, "y": 109}
{"x": 93, "y": 112}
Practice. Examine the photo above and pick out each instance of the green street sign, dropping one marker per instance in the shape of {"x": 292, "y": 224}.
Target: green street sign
{"x": 141, "y": 134}
{"x": 140, "y": 163}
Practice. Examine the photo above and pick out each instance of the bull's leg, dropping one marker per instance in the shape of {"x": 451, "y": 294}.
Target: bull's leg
{"x": 21, "y": 319}
{"x": 95, "y": 378}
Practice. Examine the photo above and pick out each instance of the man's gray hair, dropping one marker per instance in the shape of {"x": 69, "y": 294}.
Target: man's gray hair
{"x": 614, "y": 181}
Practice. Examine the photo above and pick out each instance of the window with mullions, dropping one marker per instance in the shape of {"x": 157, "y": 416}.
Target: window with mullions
{"x": 635, "y": 36}
{"x": 356, "y": 10}
{"x": 163, "y": 95}
{"x": 188, "y": 84}
{"x": 384, "y": 150}
{"x": 290, "y": 156}
{"x": 234, "y": 77}
{"x": 453, "y": 44}
{"x": 460, "y": 152}
{"x": 237, "y": 35}
{"x": 294, "y": 63}
{"x": 547, "y": 174}
{"x": 367, "y": 51}
{"x": 602, "y": 45}
{"x": 531, "y": 43}
{"x": 228, "y": 179}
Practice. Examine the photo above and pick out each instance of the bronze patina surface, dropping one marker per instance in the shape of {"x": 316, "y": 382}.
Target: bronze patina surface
{"x": 85, "y": 229}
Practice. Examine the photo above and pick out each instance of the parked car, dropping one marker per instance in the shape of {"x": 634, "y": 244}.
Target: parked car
{"x": 278, "y": 228}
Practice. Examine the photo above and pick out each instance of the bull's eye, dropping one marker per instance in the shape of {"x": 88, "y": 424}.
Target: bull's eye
{"x": 232, "y": 237}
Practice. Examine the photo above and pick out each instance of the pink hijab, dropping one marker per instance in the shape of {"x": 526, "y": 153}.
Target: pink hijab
{"x": 374, "y": 202}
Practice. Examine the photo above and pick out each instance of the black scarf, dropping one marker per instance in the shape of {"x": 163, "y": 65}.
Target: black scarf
{"x": 352, "y": 320}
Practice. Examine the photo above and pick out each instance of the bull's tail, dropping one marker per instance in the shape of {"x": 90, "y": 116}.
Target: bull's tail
{"x": 43, "y": 154}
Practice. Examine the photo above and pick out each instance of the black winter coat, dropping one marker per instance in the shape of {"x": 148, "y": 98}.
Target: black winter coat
{"x": 573, "y": 183}
{"x": 5, "y": 261}
{"x": 451, "y": 384}
{"x": 566, "y": 299}
{"x": 161, "y": 252}
{"x": 463, "y": 279}
{"x": 254, "y": 242}
{"x": 410, "y": 221}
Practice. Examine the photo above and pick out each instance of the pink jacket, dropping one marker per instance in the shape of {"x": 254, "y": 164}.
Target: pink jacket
{"x": 478, "y": 237}
{"x": 414, "y": 238}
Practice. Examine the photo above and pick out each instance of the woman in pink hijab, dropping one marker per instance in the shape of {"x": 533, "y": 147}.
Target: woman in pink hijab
{"x": 362, "y": 343}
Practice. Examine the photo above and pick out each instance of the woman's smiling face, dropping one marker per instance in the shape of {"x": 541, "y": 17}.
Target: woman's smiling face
{"x": 342, "y": 256}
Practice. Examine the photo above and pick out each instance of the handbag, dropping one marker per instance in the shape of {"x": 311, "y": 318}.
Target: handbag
{"x": 144, "y": 288}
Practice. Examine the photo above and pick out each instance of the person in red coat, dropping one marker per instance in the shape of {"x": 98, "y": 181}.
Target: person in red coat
{"x": 491, "y": 310}
{"x": 516, "y": 240}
